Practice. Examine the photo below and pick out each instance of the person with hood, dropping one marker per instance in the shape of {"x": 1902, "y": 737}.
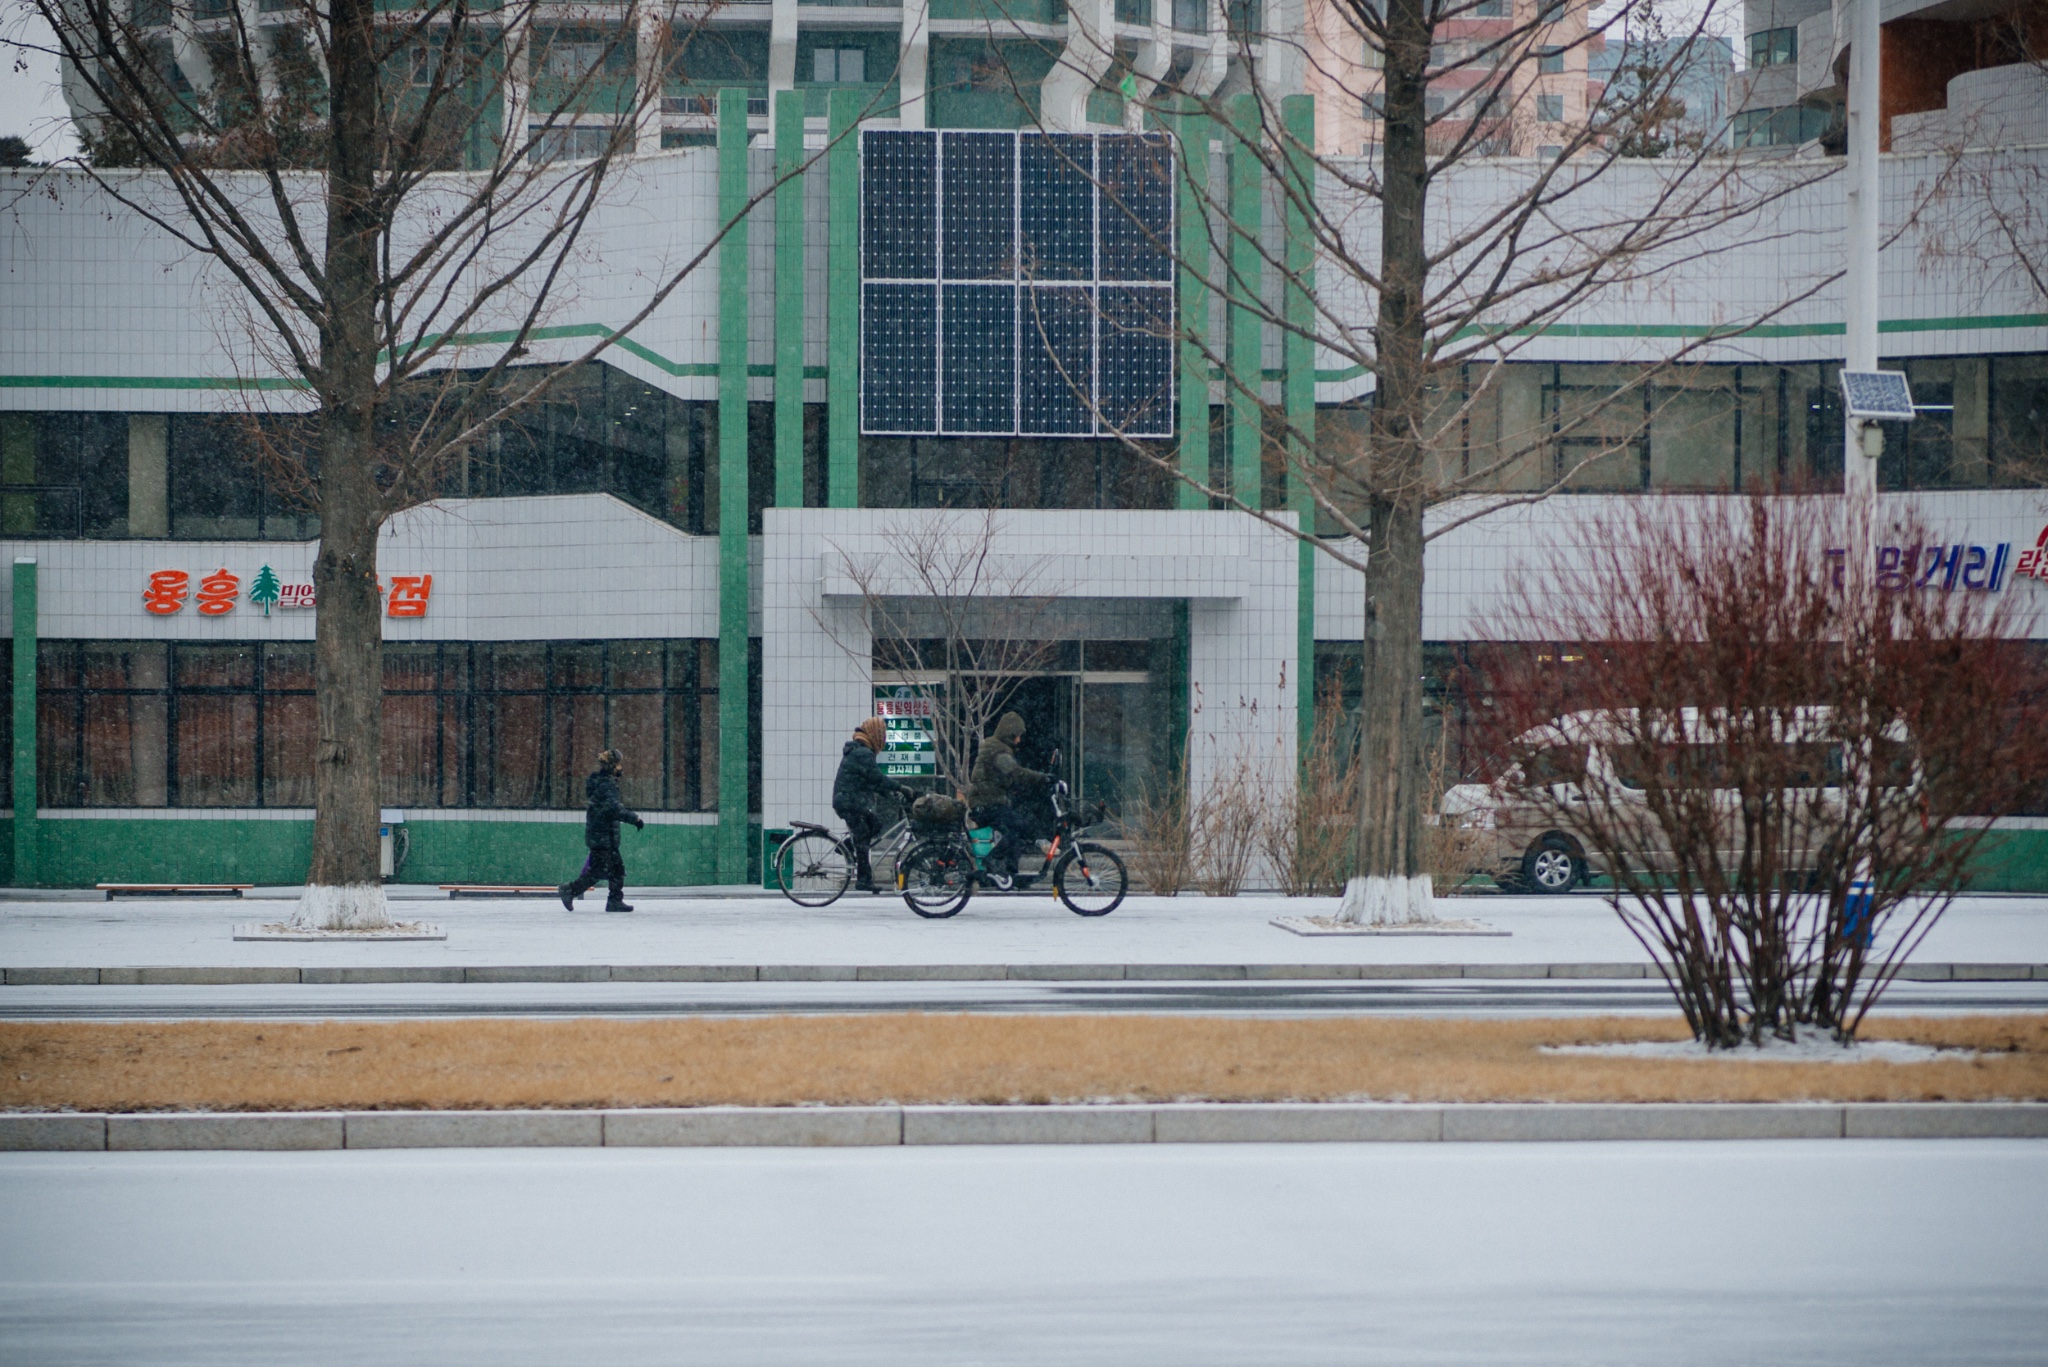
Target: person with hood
{"x": 995, "y": 776}
{"x": 858, "y": 793}
{"x": 603, "y": 810}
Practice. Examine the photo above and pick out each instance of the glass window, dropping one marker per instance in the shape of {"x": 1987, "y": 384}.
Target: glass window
{"x": 1550, "y": 61}
{"x": 148, "y": 724}
{"x": 1550, "y": 109}
{"x": 1773, "y": 47}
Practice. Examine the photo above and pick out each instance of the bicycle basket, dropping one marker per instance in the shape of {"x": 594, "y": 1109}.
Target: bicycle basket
{"x": 983, "y": 839}
{"x": 937, "y": 810}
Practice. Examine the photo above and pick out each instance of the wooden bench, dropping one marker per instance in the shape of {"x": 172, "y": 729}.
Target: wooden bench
{"x": 113, "y": 890}
{"x": 455, "y": 890}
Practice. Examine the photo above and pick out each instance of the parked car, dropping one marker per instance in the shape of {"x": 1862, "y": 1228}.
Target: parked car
{"x": 1600, "y": 758}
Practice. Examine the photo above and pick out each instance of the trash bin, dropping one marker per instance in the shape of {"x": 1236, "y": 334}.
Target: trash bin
{"x": 771, "y": 841}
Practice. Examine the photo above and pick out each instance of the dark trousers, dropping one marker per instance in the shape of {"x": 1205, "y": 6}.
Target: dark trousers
{"x": 1016, "y": 832}
{"x": 862, "y": 826}
{"x": 602, "y": 866}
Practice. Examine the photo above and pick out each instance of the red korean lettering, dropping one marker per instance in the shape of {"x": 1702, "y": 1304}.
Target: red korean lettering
{"x": 408, "y": 596}
{"x": 166, "y": 592}
{"x": 217, "y": 593}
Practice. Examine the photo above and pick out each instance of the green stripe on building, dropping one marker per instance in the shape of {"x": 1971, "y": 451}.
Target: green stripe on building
{"x": 842, "y": 293}
{"x": 732, "y": 488}
{"x": 1247, "y": 276}
{"x": 789, "y": 299}
{"x": 1298, "y": 351}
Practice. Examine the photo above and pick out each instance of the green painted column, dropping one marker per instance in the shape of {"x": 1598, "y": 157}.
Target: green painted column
{"x": 24, "y": 723}
{"x": 732, "y": 489}
{"x": 842, "y": 299}
{"x": 1194, "y": 307}
{"x": 1247, "y": 334}
{"x": 1298, "y": 118}
{"x": 789, "y": 300}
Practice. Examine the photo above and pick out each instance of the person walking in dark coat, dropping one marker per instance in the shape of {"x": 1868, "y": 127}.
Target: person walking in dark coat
{"x": 989, "y": 788}
{"x": 859, "y": 792}
{"x": 603, "y": 810}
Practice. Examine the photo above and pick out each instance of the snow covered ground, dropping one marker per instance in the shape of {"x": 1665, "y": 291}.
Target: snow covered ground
{"x": 880, "y": 930}
{"x": 1857, "y": 1252}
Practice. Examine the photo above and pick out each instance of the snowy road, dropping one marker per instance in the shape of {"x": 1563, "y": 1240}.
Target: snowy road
{"x": 1462, "y": 997}
{"x": 1855, "y": 1252}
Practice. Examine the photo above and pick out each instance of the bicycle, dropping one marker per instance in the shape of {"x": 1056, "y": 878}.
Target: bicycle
{"x": 939, "y": 874}
{"x": 814, "y": 867}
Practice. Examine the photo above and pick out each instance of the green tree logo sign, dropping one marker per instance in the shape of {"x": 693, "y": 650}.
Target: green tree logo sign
{"x": 263, "y": 591}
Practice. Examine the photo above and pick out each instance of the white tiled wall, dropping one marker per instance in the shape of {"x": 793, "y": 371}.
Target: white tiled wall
{"x": 1238, "y": 577}
{"x": 561, "y": 567}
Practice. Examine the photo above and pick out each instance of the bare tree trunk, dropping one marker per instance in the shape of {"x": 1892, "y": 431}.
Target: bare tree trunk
{"x": 1390, "y": 884}
{"x": 345, "y": 888}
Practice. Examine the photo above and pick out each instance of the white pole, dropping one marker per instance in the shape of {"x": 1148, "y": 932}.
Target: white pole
{"x": 1860, "y": 282}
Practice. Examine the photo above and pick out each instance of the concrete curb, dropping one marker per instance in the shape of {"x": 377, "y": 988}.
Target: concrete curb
{"x": 243, "y": 975}
{"x": 881, "y": 1126}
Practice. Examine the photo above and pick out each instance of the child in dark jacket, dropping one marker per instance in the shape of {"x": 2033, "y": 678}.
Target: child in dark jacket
{"x": 603, "y": 810}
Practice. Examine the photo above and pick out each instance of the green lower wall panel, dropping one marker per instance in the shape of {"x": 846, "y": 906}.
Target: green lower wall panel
{"x": 73, "y": 854}
{"x": 552, "y": 852}
{"x": 2013, "y": 861}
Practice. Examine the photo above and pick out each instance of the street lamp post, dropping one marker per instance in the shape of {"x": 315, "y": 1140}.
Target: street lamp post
{"x": 1862, "y": 440}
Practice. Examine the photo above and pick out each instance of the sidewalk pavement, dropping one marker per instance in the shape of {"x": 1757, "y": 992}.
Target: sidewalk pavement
{"x": 688, "y": 927}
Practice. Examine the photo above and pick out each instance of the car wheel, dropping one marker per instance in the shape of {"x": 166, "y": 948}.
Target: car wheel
{"x": 1550, "y": 866}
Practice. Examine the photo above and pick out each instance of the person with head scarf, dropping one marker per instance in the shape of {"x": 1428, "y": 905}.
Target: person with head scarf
{"x": 862, "y": 794}
{"x": 996, "y": 776}
{"x": 603, "y": 810}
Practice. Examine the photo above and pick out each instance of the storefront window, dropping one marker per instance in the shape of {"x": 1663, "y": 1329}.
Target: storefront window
{"x": 499, "y": 724}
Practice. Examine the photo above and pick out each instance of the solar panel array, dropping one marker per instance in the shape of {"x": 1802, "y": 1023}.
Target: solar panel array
{"x": 1017, "y": 284}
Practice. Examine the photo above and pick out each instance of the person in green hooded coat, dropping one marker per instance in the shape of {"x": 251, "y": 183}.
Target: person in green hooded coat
{"x": 990, "y": 789}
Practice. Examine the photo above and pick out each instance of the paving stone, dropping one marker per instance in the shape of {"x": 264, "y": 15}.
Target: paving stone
{"x": 807, "y": 973}
{"x": 917, "y": 973}
{"x": 1299, "y": 972}
{"x": 1411, "y": 970}
{"x": 1506, "y": 971}
{"x": 1990, "y": 973}
{"x": 1184, "y": 973}
{"x": 1027, "y": 1124}
{"x": 242, "y": 975}
{"x": 321, "y": 1130}
{"x": 52, "y": 977}
{"x": 1573, "y": 1121}
{"x": 1601, "y": 971}
{"x": 1945, "y": 1120}
{"x": 120, "y": 977}
{"x": 474, "y": 1129}
{"x": 776, "y": 1126}
{"x": 1060, "y": 973}
{"x": 1925, "y": 973}
{"x": 390, "y": 974}
{"x": 539, "y": 973}
{"x": 55, "y": 1132}
{"x": 684, "y": 973}
{"x": 1295, "y": 1123}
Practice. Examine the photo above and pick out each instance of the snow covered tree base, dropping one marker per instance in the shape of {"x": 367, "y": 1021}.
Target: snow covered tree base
{"x": 1383, "y": 901}
{"x": 355, "y": 906}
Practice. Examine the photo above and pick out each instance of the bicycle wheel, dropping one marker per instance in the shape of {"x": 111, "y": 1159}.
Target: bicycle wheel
{"x": 936, "y": 877}
{"x": 1090, "y": 879}
{"x": 813, "y": 868}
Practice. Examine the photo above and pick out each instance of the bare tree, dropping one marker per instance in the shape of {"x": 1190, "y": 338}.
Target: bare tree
{"x": 1788, "y": 771}
{"x": 942, "y": 603}
{"x": 1428, "y": 264}
{"x": 398, "y": 198}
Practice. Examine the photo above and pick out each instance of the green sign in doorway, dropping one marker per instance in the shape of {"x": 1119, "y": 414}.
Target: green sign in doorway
{"x": 912, "y": 718}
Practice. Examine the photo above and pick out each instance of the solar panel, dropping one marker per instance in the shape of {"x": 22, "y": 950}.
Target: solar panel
{"x": 1057, "y": 183}
{"x": 978, "y": 366}
{"x": 1056, "y": 362}
{"x": 1879, "y": 395}
{"x": 1137, "y": 207}
{"x": 978, "y": 224}
{"x": 1137, "y": 360}
{"x": 899, "y": 347}
{"x": 899, "y": 229}
{"x": 1001, "y": 290}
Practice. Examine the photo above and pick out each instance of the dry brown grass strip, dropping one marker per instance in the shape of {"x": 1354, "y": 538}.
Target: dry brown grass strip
{"x": 922, "y": 1058}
